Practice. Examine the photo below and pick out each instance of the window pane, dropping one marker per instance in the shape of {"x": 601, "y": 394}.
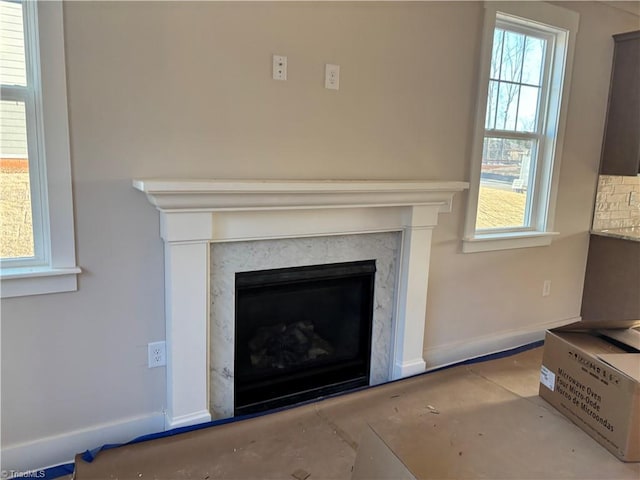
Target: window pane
{"x": 507, "y": 106}
{"x": 12, "y": 56}
{"x": 492, "y": 104}
{"x": 533, "y": 61}
{"x": 505, "y": 183}
{"x": 517, "y": 63}
{"x": 528, "y": 109}
{"x": 512, "y": 53}
{"x": 496, "y": 55}
{"x": 16, "y": 226}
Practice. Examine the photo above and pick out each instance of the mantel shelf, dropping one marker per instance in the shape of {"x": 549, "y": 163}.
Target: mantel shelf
{"x": 224, "y": 195}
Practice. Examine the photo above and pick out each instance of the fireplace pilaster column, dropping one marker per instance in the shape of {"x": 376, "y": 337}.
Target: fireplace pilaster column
{"x": 187, "y": 317}
{"x": 412, "y": 291}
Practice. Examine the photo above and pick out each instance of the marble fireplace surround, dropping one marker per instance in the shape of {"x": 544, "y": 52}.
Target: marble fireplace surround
{"x": 194, "y": 214}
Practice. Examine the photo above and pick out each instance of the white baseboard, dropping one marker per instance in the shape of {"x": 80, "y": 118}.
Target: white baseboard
{"x": 462, "y": 350}
{"x": 407, "y": 369}
{"x": 196, "y": 418}
{"x": 61, "y": 449}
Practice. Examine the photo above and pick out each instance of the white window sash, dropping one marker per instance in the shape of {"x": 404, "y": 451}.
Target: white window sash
{"x": 531, "y": 221}
{"x": 29, "y": 96}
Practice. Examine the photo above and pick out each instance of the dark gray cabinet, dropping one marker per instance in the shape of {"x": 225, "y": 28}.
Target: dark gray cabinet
{"x": 621, "y": 146}
{"x": 612, "y": 280}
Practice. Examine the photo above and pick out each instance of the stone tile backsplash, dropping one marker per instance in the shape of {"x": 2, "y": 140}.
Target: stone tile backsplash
{"x": 617, "y": 202}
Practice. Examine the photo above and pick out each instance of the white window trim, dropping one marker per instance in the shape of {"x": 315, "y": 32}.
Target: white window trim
{"x": 59, "y": 274}
{"x": 559, "y": 18}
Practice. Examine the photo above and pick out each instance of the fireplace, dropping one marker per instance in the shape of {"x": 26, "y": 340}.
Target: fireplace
{"x": 299, "y": 256}
{"x": 301, "y": 333}
{"x": 201, "y": 218}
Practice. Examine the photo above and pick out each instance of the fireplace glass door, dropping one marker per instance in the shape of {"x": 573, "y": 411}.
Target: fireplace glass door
{"x": 301, "y": 333}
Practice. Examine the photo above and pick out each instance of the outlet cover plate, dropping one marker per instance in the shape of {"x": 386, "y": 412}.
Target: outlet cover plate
{"x": 332, "y": 76}
{"x": 157, "y": 353}
{"x": 279, "y": 67}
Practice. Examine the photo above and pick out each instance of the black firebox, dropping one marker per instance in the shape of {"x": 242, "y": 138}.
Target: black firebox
{"x": 302, "y": 333}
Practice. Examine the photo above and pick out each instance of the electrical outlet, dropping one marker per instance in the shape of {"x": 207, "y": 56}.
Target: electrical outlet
{"x": 279, "y": 67}
{"x": 332, "y": 76}
{"x": 157, "y": 352}
{"x": 546, "y": 288}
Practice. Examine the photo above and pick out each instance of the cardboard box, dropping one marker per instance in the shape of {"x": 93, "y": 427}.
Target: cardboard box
{"x": 591, "y": 373}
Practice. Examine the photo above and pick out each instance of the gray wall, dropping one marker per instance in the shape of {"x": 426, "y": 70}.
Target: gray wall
{"x": 184, "y": 90}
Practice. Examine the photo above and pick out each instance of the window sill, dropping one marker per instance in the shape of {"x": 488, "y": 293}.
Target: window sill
{"x": 506, "y": 241}
{"x": 20, "y": 282}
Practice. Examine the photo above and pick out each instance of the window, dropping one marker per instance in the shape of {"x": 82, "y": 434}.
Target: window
{"x": 37, "y": 252}
{"x": 527, "y": 52}
{"x": 21, "y": 210}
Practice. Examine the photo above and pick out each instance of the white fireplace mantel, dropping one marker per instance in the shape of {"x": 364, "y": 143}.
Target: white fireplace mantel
{"x": 196, "y": 213}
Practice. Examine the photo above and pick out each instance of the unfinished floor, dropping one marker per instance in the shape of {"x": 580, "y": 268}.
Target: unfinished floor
{"x": 476, "y": 421}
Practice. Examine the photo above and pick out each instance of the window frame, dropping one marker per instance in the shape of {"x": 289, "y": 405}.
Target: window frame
{"x": 537, "y": 135}
{"x": 53, "y": 269}
{"x": 562, "y": 25}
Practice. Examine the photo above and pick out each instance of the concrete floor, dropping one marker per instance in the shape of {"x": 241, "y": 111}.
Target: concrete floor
{"x": 477, "y": 421}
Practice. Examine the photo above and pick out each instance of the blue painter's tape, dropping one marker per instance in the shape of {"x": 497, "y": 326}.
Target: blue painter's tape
{"x": 58, "y": 471}
{"x": 90, "y": 455}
